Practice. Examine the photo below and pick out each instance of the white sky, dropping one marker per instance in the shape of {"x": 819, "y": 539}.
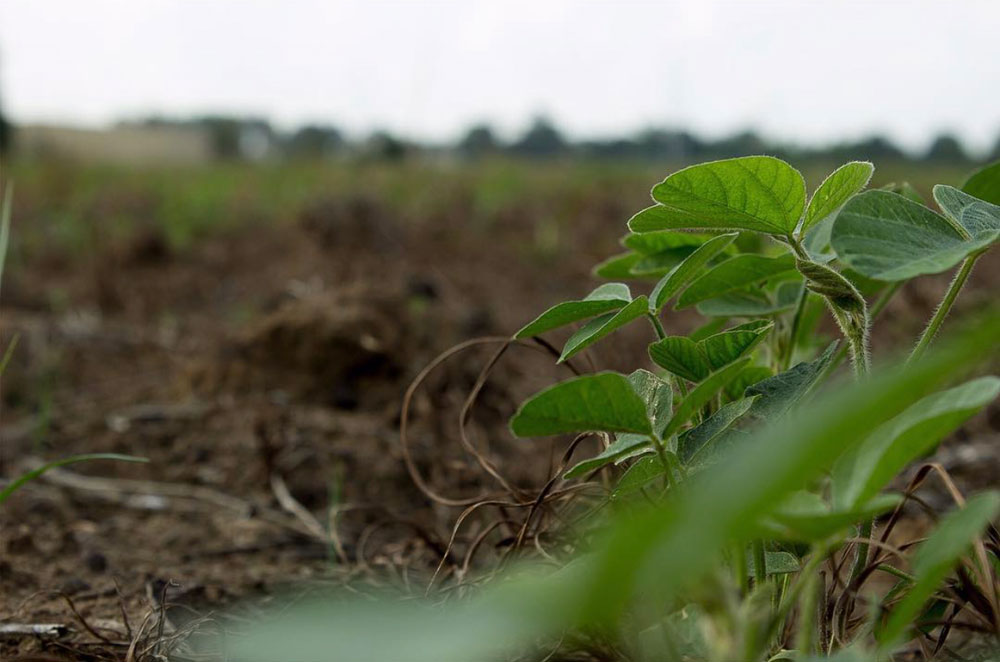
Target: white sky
{"x": 812, "y": 70}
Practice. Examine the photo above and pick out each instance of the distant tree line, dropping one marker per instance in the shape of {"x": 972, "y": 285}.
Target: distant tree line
{"x": 248, "y": 138}
{"x": 543, "y": 139}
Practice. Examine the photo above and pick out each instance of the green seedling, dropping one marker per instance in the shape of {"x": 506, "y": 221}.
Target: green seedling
{"x": 736, "y": 482}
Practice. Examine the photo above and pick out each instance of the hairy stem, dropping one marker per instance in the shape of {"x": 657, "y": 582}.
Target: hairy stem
{"x": 944, "y": 307}
{"x": 657, "y": 326}
{"x": 876, "y": 309}
{"x": 797, "y": 247}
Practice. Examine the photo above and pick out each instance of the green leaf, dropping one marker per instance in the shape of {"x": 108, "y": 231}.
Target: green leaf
{"x": 724, "y": 348}
{"x": 658, "y": 217}
{"x": 904, "y": 189}
{"x": 21, "y": 480}
{"x": 985, "y": 183}
{"x": 736, "y": 273}
{"x": 682, "y": 274}
{"x": 617, "y": 267}
{"x": 693, "y": 361}
{"x": 701, "y": 394}
{"x": 642, "y": 472}
{"x": 779, "y": 394}
{"x": 681, "y": 356}
{"x": 601, "y": 326}
{"x": 625, "y": 446}
{"x": 651, "y": 243}
{"x": 758, "y": 193}
{"x": 700, "y": 437}
{"x": 860, "y": 475}
{"x": 935, "y": 558}
{"x": 752, "y": 302}
{"x": 658, "y": 264}
{"x": 750, "y": 376}
{"x": 973, "y": 214}
{"x": 657, "y": 395}
{"x": 709, "y": 328}
{"x": 777, "y": 563}
{"x": 843, "y": 183}
{"x": 602, "y": 402}
{"x": 885, "y": 236}
{"x": 605, "y": 298}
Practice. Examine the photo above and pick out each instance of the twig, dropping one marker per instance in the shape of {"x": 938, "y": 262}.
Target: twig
{"x": 33, "y": 630}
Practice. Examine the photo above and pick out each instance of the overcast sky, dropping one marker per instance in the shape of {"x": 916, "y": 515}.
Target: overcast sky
{"x": 811, "y": 70}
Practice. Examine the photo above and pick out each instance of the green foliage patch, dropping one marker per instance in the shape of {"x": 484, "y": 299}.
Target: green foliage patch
{"x": 740, "y": 468}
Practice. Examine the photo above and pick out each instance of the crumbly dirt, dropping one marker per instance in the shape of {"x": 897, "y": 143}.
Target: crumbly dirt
{"x": 261, "y": 372}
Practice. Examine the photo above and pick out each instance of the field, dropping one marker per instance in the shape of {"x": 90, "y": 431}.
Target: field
{"x": 251, "y": 330}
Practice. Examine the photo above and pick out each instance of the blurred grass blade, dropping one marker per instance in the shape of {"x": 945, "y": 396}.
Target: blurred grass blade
{"x": 5, "y": 214}
{"x": 859, "y": 475}
{"x": 8, "y": 353}
{"x": 29, "y": 476}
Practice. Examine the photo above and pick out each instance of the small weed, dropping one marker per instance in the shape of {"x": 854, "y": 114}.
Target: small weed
{"x": 16, "y": 483}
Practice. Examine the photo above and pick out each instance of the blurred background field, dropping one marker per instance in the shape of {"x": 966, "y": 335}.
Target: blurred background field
{"x": 236, "y": 321}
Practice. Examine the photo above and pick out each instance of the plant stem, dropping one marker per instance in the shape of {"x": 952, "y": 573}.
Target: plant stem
{"x": 877, "y": 308}
{"x": 797, "y": 247}
{"x": 759, "y": 562}
{"x": 944, "y": 307}
{"x": 740, "y": 561}
{"x": 896, "y": 572}
{"x": 791, "y": 596}
{"x": 657, "y": 326}
{"x": 805, "y": 639}
{"x": 681, "y": 387}
{"x": 861, "y": 558}
{"x": 796, "y": 322}
{"x": 668, "y": 478}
